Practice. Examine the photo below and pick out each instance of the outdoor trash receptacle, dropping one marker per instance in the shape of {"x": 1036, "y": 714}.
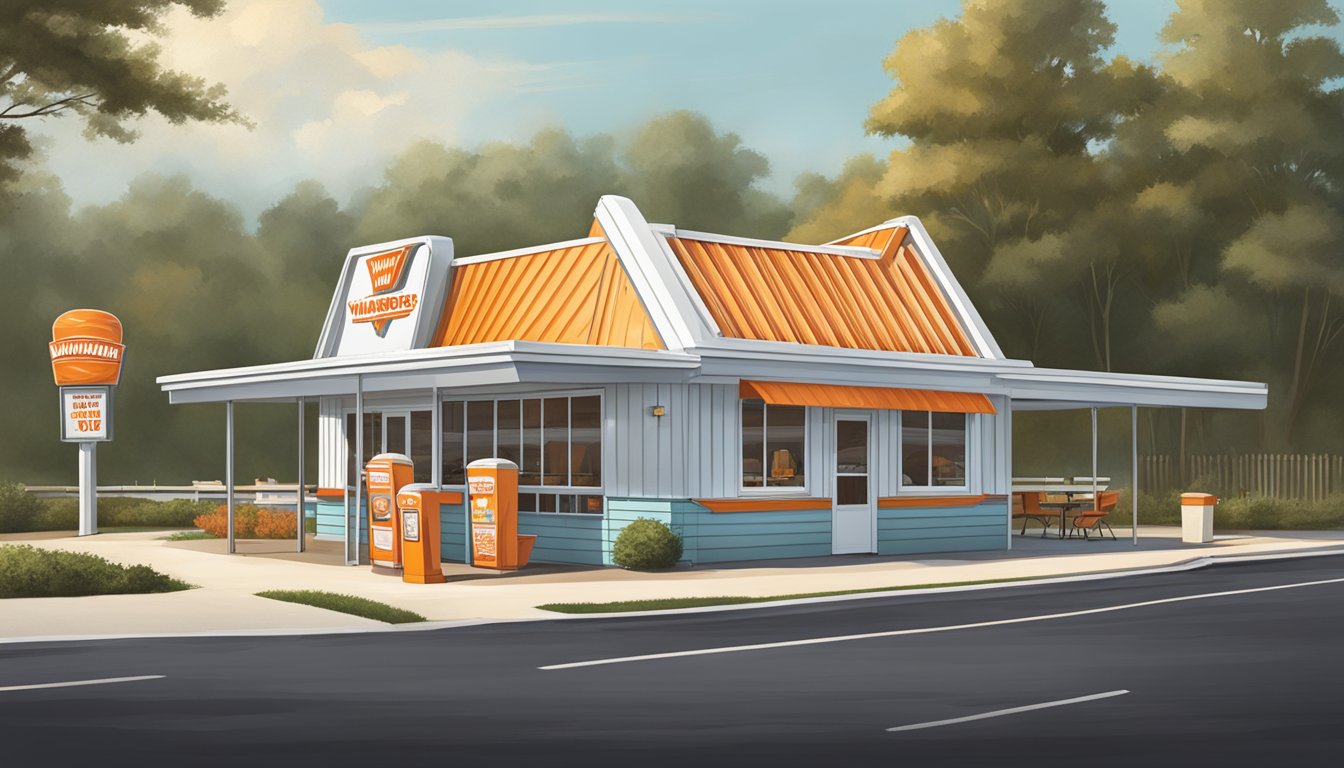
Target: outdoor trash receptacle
{"x": 1197, "y": 517}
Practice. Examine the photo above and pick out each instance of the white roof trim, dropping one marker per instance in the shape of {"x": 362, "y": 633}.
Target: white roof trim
{"x": 478, "y": 258}
{"x": 888, "y": 224}
{"x": 780, "y": 245}
{"x": 666, "y": 298}
{"x": 975, "y": 325}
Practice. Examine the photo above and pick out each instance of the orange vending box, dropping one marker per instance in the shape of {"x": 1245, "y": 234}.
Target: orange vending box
{"x": 418, "y": 507}
{"x": 387, "y": 473}
{"x": 492, "y": 485}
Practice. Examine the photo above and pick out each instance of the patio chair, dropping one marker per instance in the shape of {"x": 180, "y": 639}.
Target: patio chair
{"x": 1027, "y": 506}
{"x": 1094, "y": 519}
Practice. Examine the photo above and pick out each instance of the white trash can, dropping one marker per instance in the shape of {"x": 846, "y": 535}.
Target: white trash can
{"x": 1197, "y": 517}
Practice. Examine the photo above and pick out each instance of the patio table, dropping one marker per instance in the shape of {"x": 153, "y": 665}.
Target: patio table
{"x": 1065, "y": 506}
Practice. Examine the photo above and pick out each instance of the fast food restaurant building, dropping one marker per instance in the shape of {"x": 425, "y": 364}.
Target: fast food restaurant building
{"x": 765, "y": 399}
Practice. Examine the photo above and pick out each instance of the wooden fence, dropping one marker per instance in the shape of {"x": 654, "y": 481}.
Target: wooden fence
{"x": 1277, "y": 475}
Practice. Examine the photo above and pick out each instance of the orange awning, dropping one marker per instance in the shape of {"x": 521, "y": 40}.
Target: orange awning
{"x": 888, "y": 398}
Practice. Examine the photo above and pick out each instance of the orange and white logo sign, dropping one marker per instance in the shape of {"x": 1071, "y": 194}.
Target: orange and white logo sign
{"x": 86, "y": 348}
{"x": 387, "y": 301}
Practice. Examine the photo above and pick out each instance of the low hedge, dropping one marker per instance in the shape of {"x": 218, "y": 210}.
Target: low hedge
{"x": 22, "y": 512}
{"x": 1256, "y": 513}
{"x": 27, "y": 571}
{"x": 249, "y": 522}
{"x": 646, "y": 543}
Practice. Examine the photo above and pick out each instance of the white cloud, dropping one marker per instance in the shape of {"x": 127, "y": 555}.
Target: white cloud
{"x": 326, "y": 104}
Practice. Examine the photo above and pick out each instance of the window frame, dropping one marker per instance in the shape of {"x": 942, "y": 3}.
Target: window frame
{"x": 553, "y": 490}
{"x": 786, "y": 491}
{"x": 932, "y": 490}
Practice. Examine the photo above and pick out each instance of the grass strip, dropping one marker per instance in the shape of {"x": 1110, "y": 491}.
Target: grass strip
{"x": 355, "y": 606}
{"x": 27, "y": 571}
{"x": 668, "y": 603}
{"x": 190, "y": 536}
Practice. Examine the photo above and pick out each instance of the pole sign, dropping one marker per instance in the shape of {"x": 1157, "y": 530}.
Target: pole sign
{"x": 86, "y": 357}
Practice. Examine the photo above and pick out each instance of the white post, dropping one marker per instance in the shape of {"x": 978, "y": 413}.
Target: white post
{"x": 1134, "y": 474}
{"x": 1094, "y": 456}
{"x": 1006, "y": 451}
{"x": 88, "y": 489}
{"x": 228, "y": 470}
{"x": 352, "y": 522}
{"x": 436, "y": 447}
{"x": 299, "y": 495}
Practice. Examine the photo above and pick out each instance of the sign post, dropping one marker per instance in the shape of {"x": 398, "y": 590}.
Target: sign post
{"x": 86, "y": 356}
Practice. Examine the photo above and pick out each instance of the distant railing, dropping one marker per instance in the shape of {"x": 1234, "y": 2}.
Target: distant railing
{"x": 1308, "y": 477}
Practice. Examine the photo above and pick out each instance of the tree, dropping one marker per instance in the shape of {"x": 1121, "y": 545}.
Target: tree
{"x": 1243, "y": 151}
{"x": 1005, "y": 109}
{"x": 677, "y": 168}
{"x": 79, "y": 56}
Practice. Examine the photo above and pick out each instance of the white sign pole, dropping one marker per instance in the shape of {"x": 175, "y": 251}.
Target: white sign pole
{"x": 88, "y": 489}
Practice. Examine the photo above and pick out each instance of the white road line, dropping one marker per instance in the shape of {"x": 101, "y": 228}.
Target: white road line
{"x": 73, "y": 683}
{"x": 930, "y": 630}
{"x": 1002, "y": 712}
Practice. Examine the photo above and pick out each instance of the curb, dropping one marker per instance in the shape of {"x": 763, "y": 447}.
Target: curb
{"x": 1195, "y": 563}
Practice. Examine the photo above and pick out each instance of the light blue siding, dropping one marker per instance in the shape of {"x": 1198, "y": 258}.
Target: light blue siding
{"x": 716, "y": 537}
{"x": 565, "y": 538}
{"x": 453, "y": 532}
{"x": 915, "y": 530}
{"x": 331, "y": 520}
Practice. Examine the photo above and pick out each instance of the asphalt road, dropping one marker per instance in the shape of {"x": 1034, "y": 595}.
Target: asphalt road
{"x": 1239, "y": 679}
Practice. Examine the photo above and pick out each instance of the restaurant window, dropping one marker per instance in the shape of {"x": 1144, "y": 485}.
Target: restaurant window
{"x": 373, "y": 443}
{"x": 933, "y": 449}
{"x": 422, "y": 445}
{"x": 773, "y": 437}
{"x": 556, "y": 441}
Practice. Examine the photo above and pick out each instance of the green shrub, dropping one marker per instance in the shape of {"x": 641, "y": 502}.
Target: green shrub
{"x": 27, "y": 571}
{"x": 21, "y": 512}
{"x": 646, "y": 543}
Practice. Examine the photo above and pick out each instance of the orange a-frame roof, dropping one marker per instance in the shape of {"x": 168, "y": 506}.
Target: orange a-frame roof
{"x": 887, "y": 302}
{"x": 573, "y": 295}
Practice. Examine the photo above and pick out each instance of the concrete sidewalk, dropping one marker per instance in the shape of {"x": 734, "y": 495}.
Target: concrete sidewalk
{"x": 225, "y": 600}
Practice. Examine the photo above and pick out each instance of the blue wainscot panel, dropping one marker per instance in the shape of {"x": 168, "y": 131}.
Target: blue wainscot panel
{"x": 453, "y": 532}
{"x": 331, "y": 520}
{"x": 565, "y": 538}
{"x": 717, "y": 537}
{"x": 926, "y": 530}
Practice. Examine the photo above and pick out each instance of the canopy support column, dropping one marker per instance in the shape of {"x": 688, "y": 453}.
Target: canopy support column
{"x": 1006, "y": 451}
{"x": 1134, "y": 474}
{"x": 228, "y": 471}
{"x": 1094, "y": 456}
{"x": 436, "y": 447}
{"x": 352, "y": 520}
{"x": 299, "y": 501}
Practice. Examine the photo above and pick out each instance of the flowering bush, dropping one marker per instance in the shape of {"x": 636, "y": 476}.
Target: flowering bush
{"x": 249, "y": 522}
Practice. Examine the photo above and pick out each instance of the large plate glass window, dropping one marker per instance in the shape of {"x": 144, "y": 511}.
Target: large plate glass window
{"x": 555, "y": 440}
{"x": 773, "y": 437}
{"x": 933, "y": 449}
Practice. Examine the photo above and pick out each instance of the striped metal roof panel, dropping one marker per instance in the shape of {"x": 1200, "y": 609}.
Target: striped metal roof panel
{"x": 889, "y": 303}
{"x": 574, "y": 295}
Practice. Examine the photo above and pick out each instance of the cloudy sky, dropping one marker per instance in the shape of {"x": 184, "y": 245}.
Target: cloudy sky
{"x": 336, "y": 87}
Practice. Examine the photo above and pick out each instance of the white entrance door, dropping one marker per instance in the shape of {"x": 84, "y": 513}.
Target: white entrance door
{"x": 854, "y": 515}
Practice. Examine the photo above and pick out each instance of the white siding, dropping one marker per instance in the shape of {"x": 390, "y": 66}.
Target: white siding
{"x": 330, "y": 443}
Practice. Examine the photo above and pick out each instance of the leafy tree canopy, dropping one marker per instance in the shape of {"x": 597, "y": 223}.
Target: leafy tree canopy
{"x": 93, "y": 58}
